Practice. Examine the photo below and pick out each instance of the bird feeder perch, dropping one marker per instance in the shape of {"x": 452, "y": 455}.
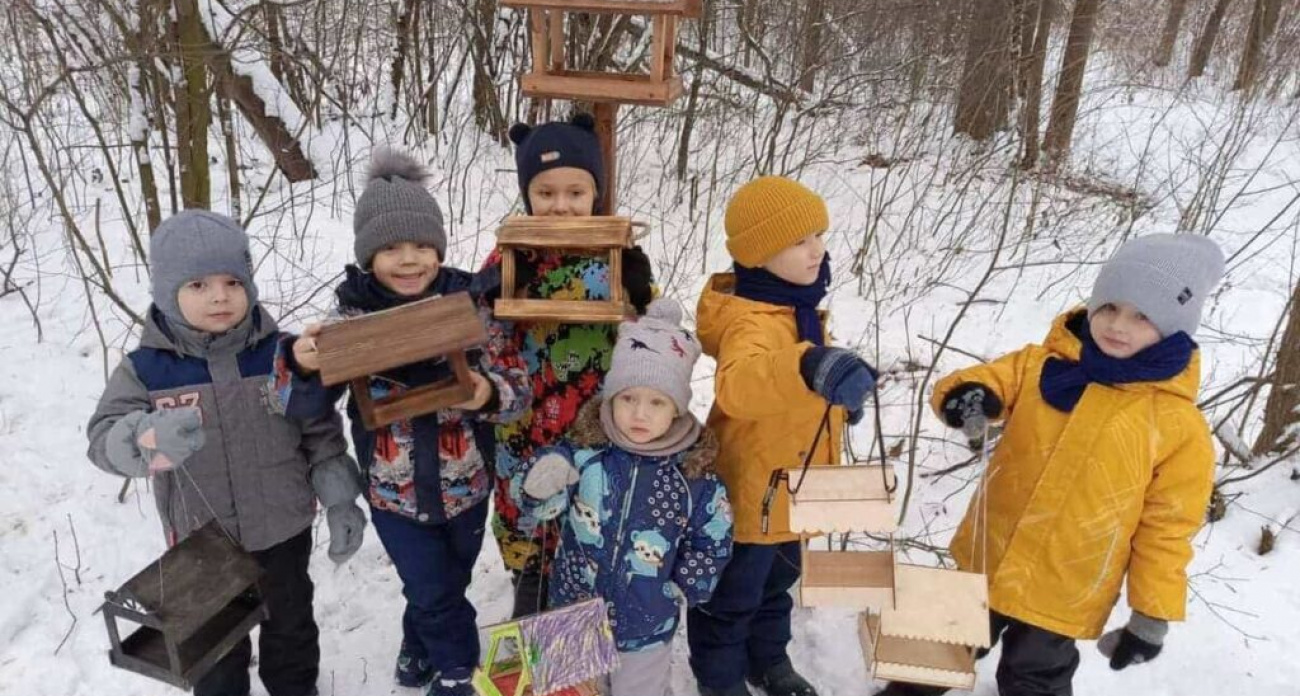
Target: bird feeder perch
{"x": 439, "y": 327}
{"x": 192, "y": 605}
{"x": 598, "y": 236}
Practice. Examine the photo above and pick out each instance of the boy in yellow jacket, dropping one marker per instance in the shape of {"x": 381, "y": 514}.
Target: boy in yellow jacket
{"x": 1104, "y": 470}
{"x": 778, "y": 388}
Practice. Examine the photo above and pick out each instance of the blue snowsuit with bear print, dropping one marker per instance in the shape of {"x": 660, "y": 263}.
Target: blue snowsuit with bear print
{"x": 646, "y": 534}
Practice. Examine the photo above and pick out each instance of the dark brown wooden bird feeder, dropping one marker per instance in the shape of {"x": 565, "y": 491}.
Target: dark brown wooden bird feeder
{"x": 437, "y": 328}
{"x": 193, "y": 605}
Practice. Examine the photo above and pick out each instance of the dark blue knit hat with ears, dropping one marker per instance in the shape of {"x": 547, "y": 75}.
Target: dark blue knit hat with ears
{"x": 557, "y": 144}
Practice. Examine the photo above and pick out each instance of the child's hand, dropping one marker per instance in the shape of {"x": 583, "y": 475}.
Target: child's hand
{"x": 838, "y": 375}
{"x": 551, "y": 474}
{"x": 1140, "y": 641}
{"x": 482, "y": 393}
{"x": 969, "y": 401}
{"x": 304, "y": 349}
{"x": 168, "y": 437}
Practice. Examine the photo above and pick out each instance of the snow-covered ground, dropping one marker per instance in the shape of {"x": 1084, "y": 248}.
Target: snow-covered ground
{"x": 66, "y": 539}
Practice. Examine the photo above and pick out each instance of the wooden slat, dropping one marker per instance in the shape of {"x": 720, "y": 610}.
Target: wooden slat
{"x": 420, "y": 401}
{"x": 918, "y": 662}
{"x": 602, "y": 88}
{"x": 682, "y": 8}
{"x": 563, "y": 311}
{"x": 658, "y": 34}
{"x": 843, "y": 516}
{"x": 508, "y": 288}
{"x": 537, "y": 33}
{"x": 557, "y": 40}
{"x": 606, "y": 114}
{"x": 578, "y": 233}
{"x": 617, "y": 293}
{"x": 423, "y": 330}
{"x": 857, "y": 579}
{"x": 670, "y": 46}
{"x": 576, "y": 224}
{"x": 833, "y": 482}
{"x": 940, "y": 605}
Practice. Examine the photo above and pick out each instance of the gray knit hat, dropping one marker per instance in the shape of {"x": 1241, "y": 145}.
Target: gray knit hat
{"x": 395, "y": 208}
{"x": 655, "y": 351}
{"x": 190, "y": 245}
{"x": 1166, "y": 276}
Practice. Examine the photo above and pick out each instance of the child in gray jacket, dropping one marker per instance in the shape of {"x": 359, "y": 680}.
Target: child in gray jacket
{"x": 189, "y": 409}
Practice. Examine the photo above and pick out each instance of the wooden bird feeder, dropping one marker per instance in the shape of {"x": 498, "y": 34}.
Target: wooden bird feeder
{"x": 598, "y": 236}
{"x": 940, "y": 617}
{"x": 193, "y": 605}
{"x": 844, "y": 499}
{"x": 562, "y": 651}
{"x": 439, "y": 327}
{"x": 549, "y": 78}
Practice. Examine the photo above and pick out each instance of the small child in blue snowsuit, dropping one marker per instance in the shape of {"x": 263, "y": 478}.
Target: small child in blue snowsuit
{"x": 646, "y": 522}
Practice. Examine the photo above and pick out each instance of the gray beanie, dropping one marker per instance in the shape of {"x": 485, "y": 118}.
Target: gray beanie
{"x": 1166, "y": 276}
{"x": 395, "y": 208}
{"x": 655, "y": 351}
{"x": 192, "y": 244}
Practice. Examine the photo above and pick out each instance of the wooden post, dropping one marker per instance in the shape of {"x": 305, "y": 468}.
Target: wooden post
{"x": 606, "y": 123}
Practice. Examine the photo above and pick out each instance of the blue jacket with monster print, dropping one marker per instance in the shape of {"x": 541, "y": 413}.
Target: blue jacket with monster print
{"x": 646, "y": 534}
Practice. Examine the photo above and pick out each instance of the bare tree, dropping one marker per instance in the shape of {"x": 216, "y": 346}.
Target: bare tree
{"x": 1282, "y": 410}
{"x": 1263, "y": 21}
{"x": 1205, "y": 42}
{"x": 1065, "y": 105}
{"x": 988, "y": 78}
{"x": 1169, "y": 35}
{"x": 193, "y": 110}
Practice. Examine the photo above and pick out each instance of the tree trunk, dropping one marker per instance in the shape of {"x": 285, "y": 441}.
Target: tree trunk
{"x": 1282, "y": 411}
{"x": 693, "y": 97}
{"x": 1169, "y": 35}
{"x": 402, "y": 44}
{"x": 1036, "y": 27}
{"x": 1205, "y": 42}
{"x": 1065, "y": 104}
{"x": 988, "y": 76}
{"x": 811, "y": 39}
{"x": 487, "y": 106}
{"x": 232, "y": 155}
{"x": 1263, "y": 20}
{"x": 193, "y": 109}
{"x": 143, "y": 45}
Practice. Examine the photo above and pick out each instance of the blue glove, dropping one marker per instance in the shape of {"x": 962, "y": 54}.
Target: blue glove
{"x": 838, "y": 375}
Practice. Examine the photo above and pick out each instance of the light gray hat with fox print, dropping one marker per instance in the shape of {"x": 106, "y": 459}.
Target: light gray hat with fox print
{"x": 1166, "y": 276}
{"x": 655, "y": 351}
{"x": 396, "y": 207}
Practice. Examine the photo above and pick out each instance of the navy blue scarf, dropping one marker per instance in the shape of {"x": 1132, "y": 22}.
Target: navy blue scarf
{"x": 761, "y": 285}
{"x": 1062, "y": 382}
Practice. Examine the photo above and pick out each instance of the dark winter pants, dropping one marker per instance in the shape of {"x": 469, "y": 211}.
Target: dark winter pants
{"x": 289, "y": 644}
{"x": 744, "y": 629}
{"x": 1035, "y": 662}
{"x": 435, "y": 564}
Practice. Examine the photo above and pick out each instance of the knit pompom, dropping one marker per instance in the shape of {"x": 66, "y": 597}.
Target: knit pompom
{"x": 584, "y": 121}
{"x": 387, "y": 163}
{"x": 519, "y": 131}
{"x": 665, "y": 310}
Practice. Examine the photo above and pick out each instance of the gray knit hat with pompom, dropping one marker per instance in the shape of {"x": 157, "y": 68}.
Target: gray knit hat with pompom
{"x": 395, "y": 207}
{"x": 654, "y": 351}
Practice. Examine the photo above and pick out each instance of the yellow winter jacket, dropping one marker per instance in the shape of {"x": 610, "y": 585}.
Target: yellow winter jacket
{"x": 1076, "y": 500}
{"x": 764, "y": 415}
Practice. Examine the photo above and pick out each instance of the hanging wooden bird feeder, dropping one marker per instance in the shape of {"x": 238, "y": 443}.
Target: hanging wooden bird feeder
{"x": 192, "y": 606}
{"x": 550, "y": 77}
{"x": 598, "y": 236}
{"x": 940, "y": 617}
{"x": 562, "y": 651}
{"x": 437, "y": 328}
{"x": 843, "y": 499}
{"x": 857, "y": 579}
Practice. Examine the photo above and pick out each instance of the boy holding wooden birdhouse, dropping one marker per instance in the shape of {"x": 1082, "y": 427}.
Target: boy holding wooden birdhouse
{"x": 428, "y": 476}
{"x": 1103, "y": 472}
{"x": 188, "y": 410}
{"x": 646, "y": 525}
{"x": 782, "y": 396}
{"x": 560, "y": 174}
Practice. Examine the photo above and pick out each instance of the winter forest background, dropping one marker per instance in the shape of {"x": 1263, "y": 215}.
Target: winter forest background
{"x": 980, "y": 158}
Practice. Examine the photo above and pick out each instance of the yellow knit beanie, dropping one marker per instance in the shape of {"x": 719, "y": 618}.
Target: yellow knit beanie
{"x": 769, "y": 214}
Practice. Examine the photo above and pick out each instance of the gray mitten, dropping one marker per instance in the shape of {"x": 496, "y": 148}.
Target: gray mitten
{"x": 142, "y": 444}
{"x": 551, "y": 474}
{"x": 347, "y": 528}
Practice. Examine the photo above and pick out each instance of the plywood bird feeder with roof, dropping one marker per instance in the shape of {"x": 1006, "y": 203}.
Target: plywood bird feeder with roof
{"x": 442, "y": 327}
{"x": 829, "y": 498}
{"x": 550, "y": 77}
{"x": 939, "y": 620}
{"x": 192, "y": 606}
{"x": 600, "y": 236}
{"x": 562, "y": 651}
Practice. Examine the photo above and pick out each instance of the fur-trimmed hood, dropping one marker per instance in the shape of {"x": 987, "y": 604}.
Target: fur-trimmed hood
{"x": 696, "y": 462}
